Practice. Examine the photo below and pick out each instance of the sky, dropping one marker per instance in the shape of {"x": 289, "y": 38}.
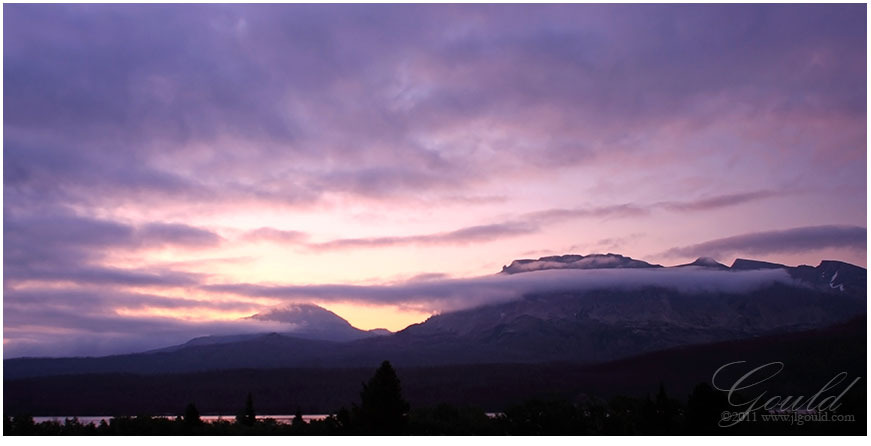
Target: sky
{"x": 170, "y": 169}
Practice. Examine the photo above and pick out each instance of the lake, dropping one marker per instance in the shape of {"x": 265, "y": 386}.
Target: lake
{"x": 281, "y": 419}
{"x": 87, "y": 419}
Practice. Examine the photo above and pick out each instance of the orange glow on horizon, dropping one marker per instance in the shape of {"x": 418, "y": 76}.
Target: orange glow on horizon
{"x": 369, "y": 317}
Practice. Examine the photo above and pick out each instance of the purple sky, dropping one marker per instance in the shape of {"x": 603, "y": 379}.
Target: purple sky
{"x": 163, "y": 163}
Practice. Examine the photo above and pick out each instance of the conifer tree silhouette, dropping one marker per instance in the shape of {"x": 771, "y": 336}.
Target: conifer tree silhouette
{"x": 247, "y": 416}
{"x": 383, "y": 410}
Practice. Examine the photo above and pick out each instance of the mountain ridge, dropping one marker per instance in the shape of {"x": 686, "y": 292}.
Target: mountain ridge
{"x": 579, "y": 326}
{"x": 575, "y": 261}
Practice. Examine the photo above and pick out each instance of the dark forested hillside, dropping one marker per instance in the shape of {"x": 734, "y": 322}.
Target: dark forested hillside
{"x": 810, "y": 359}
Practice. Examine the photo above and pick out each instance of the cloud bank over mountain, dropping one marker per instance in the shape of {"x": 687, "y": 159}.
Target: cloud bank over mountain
{"x": 100, "y": 329}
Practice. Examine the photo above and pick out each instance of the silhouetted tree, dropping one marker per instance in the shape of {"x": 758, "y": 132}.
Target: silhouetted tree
{"x": 298, "y": 423}
{"x": 537, "y": 417}
{"x": 667, "y": 410}
{"x": 192, "y": 416}
{"x": 247, "y": 417}
{"x": 704, "y": 409}
{"x": 22, "y": 425}
{"x": 447, "y": 419}
{"x": 383, "y": 409}
{"x": 343, "y": 420}
{"x": 297, "y": 419}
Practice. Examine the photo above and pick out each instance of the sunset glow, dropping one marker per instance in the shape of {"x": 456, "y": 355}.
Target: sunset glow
{"x": 174, "y": 168}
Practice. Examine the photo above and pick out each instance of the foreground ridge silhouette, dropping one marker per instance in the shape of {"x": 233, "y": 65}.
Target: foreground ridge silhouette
{"x": 384, "y": 411}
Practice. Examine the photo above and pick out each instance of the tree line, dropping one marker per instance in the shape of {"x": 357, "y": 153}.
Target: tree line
{"x": 382, "y": 410}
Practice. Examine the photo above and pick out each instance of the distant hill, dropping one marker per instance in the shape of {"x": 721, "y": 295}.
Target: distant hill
{"x": 810, "y": 358}
{"x": 304, "y": 321}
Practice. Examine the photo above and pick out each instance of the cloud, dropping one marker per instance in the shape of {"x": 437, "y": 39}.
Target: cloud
{"x": 175, "y": 234}
{"x": 60, "y": 332}
{"x": 55, "y": 173}
{"x": 60, "y": 246}
{"x": 425, "y": 277}
{"x": 101, "y": 300}
{"x": 523, "y": 225}
{"x": 63, "y": 322}
{"x": 384, "y": 181}
{"x": 70, "y": 322}
{"x": 100, "y": 275}
{"x": 274, "y": 235}
{"x": 793, "y": 240}
{"x": 63, "y": 230}
{"x": 321, "y": 106}
{"x": 453, "y": 294}
{"x": 470, "y": 234}
{"x": 717, "y": 202}
{"x": 628, "y": 210}
{"x": 615, "y": 211}
{"x": 610, "y": 244}
{"x": 98, "y": 321}
{"x": 413, "y": 99}
{"x": 534, "y": 222}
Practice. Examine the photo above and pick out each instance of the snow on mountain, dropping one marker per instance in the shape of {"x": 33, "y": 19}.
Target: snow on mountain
{"x": 574, "y": 261}
{"x": 742, "y": 264}
{"x": 834, "y": 275}
{"x": 314, "y": 322}
{"x": 705, "y": 262}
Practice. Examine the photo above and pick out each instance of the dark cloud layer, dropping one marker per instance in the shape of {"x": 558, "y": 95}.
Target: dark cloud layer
{"x": 61, "y": 246}
{"x": 773, "y": 242}
{"x": 530, "y": 223}
{"x": 95, "y": 299}
{"x": 470, "y": 234}
{"x": 717, "y": 202}
{"x": 79, "y": 333}
{"x": 175, "y": 234}
{"x": 113, "y": 101}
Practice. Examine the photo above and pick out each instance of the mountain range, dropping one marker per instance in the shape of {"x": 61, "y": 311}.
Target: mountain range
{"x": 653, "y": 308}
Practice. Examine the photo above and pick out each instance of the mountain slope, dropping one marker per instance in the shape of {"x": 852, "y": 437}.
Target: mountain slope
{"x": 314, "y": 322}
{"x": 574, "y": 325}
{"x": 746, "y": 264}
{"x": 810, "y": 359}
{"x": 303, "y": 321}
